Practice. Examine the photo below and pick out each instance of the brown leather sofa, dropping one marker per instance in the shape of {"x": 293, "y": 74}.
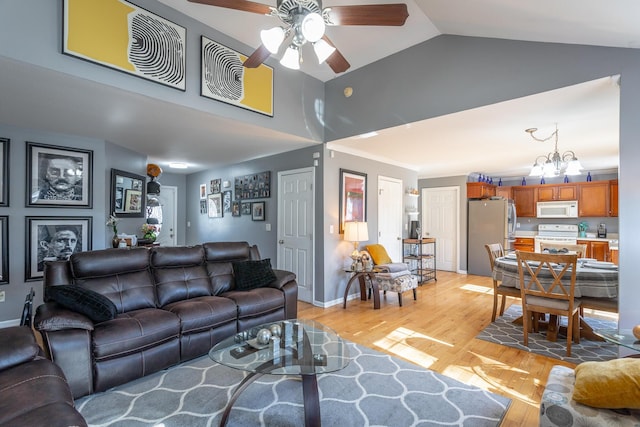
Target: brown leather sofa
{"x": 33, "y": 390}
{"x": 172, "y": 304}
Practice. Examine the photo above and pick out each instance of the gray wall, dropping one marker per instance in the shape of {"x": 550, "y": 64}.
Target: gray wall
{"x": 454, "y": 73}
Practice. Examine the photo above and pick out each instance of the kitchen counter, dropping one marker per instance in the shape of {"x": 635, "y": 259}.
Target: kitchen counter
{"x": 612, "y": 238}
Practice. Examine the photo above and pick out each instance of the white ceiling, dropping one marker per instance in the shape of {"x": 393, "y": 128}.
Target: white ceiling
{"x": 489, "y": 140}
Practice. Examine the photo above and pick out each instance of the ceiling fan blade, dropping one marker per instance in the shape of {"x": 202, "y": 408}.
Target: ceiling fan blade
{"x": 257, "y": 57}
{"x": 243, "y": 5}
{"x": 394, "y": 14}
{"x": 336, "y": 61}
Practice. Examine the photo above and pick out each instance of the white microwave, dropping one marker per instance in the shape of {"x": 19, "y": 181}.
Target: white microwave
{"x": 559, "y": 209}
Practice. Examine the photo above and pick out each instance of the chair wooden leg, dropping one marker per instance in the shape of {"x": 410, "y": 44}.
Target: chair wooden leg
{"x": 576, "y": 328}
{"x": 570, "y": 326}
{"x": 526, "y": 318}
{"x": 495, "y": 305}
{"x": 400, "y": 298}
{"x": 415, "y": 294}
{"x": 504, "y": 302}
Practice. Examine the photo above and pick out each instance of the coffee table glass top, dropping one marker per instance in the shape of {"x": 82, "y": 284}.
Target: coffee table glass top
{"x": 319, "y": 350}
{"x": 623, "y": 337}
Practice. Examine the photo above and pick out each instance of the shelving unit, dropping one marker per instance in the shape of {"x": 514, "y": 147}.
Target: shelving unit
{"x": 420, "y": 255}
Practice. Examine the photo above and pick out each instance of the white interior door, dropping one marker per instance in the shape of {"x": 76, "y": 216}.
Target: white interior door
{"x": 390, "y": 216}
{"x": 296, "y": 227}
{"x": 441, "y": 220}
{"x": 168, "y": 198}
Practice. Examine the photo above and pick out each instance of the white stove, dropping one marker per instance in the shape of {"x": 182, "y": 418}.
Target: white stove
{"x": 556, "y": 233}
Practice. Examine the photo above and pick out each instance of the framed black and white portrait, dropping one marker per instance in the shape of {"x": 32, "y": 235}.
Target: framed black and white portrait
{"x": 59, "y": 176}
{"x": 4, "y": 172}
{"x": 54, "y": 238}
{"x": 4, "y": 250}
{"x": 245, "y": 208}
{"x": 257, "y": 211}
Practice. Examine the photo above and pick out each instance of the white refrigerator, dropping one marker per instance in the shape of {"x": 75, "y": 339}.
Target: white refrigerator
{"x": 490, "y": 221}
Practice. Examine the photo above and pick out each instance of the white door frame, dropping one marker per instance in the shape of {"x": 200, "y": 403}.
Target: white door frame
{"x": 397, "y": 249}
{"x": 456, "y": 190}
{"x": 312, "y": 171}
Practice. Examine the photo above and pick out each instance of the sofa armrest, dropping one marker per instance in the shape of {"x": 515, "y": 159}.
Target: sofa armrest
{"x": 51, "y": 316}
{"x": 17, "y": 345}
{"x": 282, "y": 278}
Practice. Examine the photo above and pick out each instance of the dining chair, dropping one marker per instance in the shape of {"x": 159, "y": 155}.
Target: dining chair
{"x": 495, "y": 250}
{"x": 555, "y": 298}
{"x": 579, "y": 249}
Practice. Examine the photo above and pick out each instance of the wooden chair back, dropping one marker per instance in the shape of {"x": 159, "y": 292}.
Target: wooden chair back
{"x": 579, "y": 249}
{"x": 494, "y": 250}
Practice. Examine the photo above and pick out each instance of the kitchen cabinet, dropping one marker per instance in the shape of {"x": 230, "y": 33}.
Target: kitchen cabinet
{"x": 504, "y": 192}
{"x": 613, "y": 197}
{"x": 480, "y": 190}
{"x": 596, "y": 249}
{"x": 551, "y": 192}
{"x": 613, "y": 256}
{"x": 593, "y": 198}
{"x": 525, "y": 244}
{"x": 420, "y": 255}
{"x": 525, "y": 200}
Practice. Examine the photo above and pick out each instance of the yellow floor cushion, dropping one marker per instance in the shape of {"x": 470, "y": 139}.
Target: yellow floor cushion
{"x": 614, "y": 384}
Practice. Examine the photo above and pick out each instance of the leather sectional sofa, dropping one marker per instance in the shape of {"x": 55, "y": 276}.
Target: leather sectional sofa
{"x": 171, "y": 304}
{"x": 33, "y": 390}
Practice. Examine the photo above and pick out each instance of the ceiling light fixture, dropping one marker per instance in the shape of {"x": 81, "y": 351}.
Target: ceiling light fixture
{"x": 178, "y": 165}
{"x": 553, "y": 164}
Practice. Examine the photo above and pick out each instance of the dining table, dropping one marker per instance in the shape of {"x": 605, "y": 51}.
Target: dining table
{"x": 593, "y": 279}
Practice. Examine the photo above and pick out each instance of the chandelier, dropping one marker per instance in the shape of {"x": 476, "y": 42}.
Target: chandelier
{"x": 305, "y": 22}
{"x": 553, "y": 164}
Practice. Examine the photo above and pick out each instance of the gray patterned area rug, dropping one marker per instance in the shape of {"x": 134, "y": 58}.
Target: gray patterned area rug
{"x": 374, "y": 389}
{"x": 504, "y": 331}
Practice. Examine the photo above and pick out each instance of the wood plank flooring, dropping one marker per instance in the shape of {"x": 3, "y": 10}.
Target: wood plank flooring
{"x": 438, "y": 332}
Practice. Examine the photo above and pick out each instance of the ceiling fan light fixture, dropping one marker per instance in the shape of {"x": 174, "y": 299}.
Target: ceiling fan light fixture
{"x": 323, "y": 50}
{"x": 554, "y": 163}
{"x": 312, "y": 27}
{"x": 272, "y": 38}
{"x": 574, "y": 167}
{"x": 291, "y": 58}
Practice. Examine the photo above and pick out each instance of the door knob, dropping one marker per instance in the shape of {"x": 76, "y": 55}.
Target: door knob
{"x": 281, "y": 242}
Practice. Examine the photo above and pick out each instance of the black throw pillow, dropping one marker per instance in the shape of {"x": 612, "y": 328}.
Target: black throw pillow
{"x": 253, "y": 274}
{"x": 95, "y": 306}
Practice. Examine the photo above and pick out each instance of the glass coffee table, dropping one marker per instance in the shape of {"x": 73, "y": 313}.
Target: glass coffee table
{"x": 304, "y": 348}
{"x": 623, "y": 337}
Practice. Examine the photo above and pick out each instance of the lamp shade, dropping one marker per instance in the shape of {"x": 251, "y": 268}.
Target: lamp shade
{"x": 323, "y": 50}
{"x": 291, "y": 58}
{"x": 272, "y": 39}
{"x": 356, "y": 231}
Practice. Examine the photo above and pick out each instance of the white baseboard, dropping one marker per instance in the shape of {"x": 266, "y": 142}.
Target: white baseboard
{"x": 8, "y": 323}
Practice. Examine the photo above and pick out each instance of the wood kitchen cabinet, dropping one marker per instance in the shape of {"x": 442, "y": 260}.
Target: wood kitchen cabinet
{"x": 525, "y": 199}
{"x": 596, "y": 249}
{"x": 613, "y": 197}
{"x": 525, "y": 244}
{"x": 504, "y": 192}
{"x": 480, "y": 190}
{"x": 550, "y": 192}
{"x": 593, "y": 198}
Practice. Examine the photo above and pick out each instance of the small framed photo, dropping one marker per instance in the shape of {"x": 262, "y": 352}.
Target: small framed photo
{"x": 54, "y": 238}
{"x": 203, "y": 191}
{"x": 132, "y": 200}
{"x": 203, "y": 206}
{"x": 257, "y": 211}
{"x": 215, "y": 185}
{"x": 4, "y": 172}
{"x": 214, "y": 205}
{"x": 4, "y": 250}
{"x": 245, "y": 208}
{"x": 235, "y": 208}
{"x": 59, "y": 176}
{"x": 226, "y": 201}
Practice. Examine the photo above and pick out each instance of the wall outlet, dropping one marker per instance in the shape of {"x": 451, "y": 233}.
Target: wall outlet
{"x": 1, "y": 296}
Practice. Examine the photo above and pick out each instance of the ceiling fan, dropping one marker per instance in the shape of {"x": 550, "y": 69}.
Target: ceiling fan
{"x": 304, "y": 21}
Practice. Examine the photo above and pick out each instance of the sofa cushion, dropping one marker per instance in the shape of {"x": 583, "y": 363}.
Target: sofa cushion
{"x": 613, "y": 384}
{"x": 378, "y": 254}
{"x": 17, "y": 345}
{"x": 95, "y": 306}
{"x": 256, "y": 302}
{"x": 202, "y": 313}
{"x": 179, "y": 273}
{"x": 253, "y": 274}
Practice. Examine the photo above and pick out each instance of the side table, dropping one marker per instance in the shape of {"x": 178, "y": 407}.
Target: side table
{"x": 623, "y": 337}
{"x": 362, "y": 277}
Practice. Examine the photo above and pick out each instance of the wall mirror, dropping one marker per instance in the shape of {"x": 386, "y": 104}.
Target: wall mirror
{"x": 127, "y": 194}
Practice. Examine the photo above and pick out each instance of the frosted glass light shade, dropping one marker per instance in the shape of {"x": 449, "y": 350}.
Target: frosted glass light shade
{"x": 312, "y": 27}
{"x": 291, "y": 58}
{"x": 272, "y": 39}
{"x": 574, "y": 167}
{"x": 323, "y": 50}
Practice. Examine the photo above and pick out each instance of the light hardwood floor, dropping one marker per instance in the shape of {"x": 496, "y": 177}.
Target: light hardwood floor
{"x": 438, "y": 332}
